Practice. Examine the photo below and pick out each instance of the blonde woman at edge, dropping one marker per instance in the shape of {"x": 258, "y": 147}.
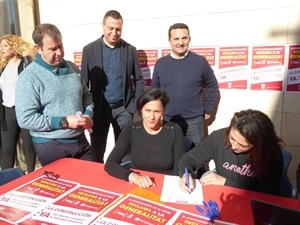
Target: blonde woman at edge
{"x": 15, "y": 55}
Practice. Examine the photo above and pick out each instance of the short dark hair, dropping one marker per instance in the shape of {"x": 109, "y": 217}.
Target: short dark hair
{"x": 112, "y": 13}
{"x": 152, "y": 94}
{"x": 43, "y": 30}
{"x": 178, "y": 26}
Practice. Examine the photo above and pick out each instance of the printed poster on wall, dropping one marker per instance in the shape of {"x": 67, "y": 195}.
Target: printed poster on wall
{"x": 208, "y": 53}
{"x": 77, "y": 59}
{"x": 147, "y": 60}
{"x": 293, "y": 71}
{"x": 164, "y": 52}
{"x": 233, "y": 67}
{"x": 268, "y": 70}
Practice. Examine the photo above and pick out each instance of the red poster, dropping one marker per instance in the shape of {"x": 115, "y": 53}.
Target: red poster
{"x": 165, "y": 52}
{"x": 189, "y": 218}
{"x": 77, "y": 59}
{"x": 147, "y": 60}
{"x": 293, "y": 72}
{"x": 268, "y": 70}
{"x": 46, "y": 187}
{"x": 233, "y": 67}
{"x": 135, "y": 210}
{"x": 81, "y": 206}
{"x": 208, "y": 53}
{"x": 17, "y": 204}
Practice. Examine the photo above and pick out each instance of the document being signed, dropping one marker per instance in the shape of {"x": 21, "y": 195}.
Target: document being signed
{"x": 171, "y": 192}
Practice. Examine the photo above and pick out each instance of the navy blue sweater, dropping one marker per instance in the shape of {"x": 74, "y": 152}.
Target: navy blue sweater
{"x": 183, "y": 80}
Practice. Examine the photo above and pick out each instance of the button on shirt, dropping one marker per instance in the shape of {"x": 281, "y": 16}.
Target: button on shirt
{"x": 112, "y": 66}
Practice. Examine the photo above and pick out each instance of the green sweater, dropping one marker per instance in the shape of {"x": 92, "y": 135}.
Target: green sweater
{"x": 44, "y": 97}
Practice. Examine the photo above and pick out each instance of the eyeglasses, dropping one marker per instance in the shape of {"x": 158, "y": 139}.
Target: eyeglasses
{"x": 51, "y": 175}
{"x": 241, "y": 146}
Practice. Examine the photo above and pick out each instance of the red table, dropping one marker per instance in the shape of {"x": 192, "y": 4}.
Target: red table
{"x": 234, "y": 204}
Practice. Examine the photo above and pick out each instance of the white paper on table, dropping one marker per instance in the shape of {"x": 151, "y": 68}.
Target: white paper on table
{"x": 171, "y": 192}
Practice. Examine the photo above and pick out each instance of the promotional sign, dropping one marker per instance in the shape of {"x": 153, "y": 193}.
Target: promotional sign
{"x": 135, "y": 210}
{"x": 208, "y": 53}
{"x": 293, "y": 71}
{"x": 164, "y": 52}
{"x": 233, "y": 67}
{"x": 22, "y": 201}
{"x": 77, "y": 59}
{"x": 267, "y": 71}
{"x": 183, "y": 218}
{"x": 147, "y": 60}
{"x": 81, "y": 206}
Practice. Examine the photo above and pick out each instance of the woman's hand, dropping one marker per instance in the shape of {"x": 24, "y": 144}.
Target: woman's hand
{"x": 213, "y": 179}
{"x": 183, "y": 184}
{"x": 141, "y": 181}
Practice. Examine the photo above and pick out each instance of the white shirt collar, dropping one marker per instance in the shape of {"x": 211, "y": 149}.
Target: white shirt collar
{"x": 182, "y": 57}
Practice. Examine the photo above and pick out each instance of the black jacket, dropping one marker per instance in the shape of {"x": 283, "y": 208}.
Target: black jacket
{"x": 91, "y": 67}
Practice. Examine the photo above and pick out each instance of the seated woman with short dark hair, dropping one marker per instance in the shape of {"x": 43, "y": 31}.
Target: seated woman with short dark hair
{"x": 155, "y": 145}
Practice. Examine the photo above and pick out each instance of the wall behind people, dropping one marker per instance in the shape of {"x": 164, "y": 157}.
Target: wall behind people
{"x": 212, "y": 23}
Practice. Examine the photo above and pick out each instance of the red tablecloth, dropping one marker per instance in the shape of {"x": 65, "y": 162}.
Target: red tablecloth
{"x": 234, "y": 204}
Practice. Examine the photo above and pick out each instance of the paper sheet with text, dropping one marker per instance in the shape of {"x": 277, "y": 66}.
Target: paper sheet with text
{"x": 171, "y": 192}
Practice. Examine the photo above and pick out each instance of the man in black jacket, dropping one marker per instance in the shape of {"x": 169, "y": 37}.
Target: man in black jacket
{"x": 111, "y": 68}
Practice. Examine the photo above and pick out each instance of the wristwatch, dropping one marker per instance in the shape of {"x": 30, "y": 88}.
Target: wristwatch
{"x": 64, "y": 122}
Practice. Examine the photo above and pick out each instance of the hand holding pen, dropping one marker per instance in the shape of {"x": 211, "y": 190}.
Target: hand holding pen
{"x": 186, "y": 182}
{"x": 187, "y": 179}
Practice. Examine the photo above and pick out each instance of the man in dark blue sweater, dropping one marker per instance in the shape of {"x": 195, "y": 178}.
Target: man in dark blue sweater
{"x": 182, "y": 75}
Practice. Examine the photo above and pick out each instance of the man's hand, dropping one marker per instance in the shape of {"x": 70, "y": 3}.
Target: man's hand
{"x": 74, "y": 122}
{"x": 206, "y": 116}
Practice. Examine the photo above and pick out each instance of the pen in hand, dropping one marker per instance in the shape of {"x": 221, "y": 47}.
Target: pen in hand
{"x": 187, "y": 178}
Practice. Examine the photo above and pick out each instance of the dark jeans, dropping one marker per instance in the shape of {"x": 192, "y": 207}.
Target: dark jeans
{"x": 119, "y": 118}
{"x": 193, "y": 129}
{"x": 53, "y": 150}
{"x": 10, "y": 140}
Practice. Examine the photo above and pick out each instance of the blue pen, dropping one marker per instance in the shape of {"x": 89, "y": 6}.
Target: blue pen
{"x": 213, "y": 208}
{"x": 208, "y": 209}
{"x": 187, "y": 177}
{"x": 204, "y": 213}
{"x": 217, "y": 208}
